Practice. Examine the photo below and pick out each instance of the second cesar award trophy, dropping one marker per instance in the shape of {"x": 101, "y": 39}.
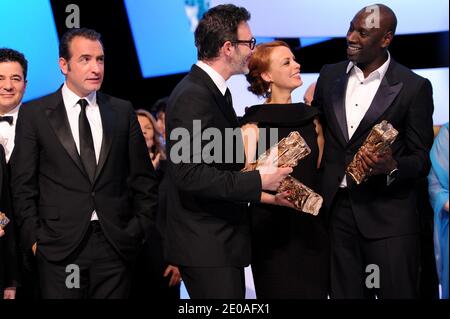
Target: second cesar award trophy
{"x": 290, "y": 150}
{"x": 380, "y": 137}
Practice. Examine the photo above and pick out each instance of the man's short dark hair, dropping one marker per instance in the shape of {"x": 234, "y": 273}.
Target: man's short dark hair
{"x": 67, "y": 38}
{"x": 218, "y": 24}
{"x": 10, "y": 55}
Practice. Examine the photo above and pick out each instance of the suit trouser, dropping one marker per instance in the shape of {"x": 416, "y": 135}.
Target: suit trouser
{"x": 148, "y": 282}
{"x": 363, "y": 268}
{"x": 29, "y": 286}
{"x": 102, "y": 273}
{"x": 214, "y": 282}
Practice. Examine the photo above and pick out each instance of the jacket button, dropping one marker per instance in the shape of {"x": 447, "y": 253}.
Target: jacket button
{"x": 93, "y": 193}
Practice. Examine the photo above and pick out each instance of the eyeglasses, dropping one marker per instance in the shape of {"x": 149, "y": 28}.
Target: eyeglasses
{"x": 251, "y": 43}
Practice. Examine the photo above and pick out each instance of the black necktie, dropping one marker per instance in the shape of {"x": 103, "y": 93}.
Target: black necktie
{"x": 7, "y": 118}
{"x": 87, "y": 151}
{"x": 228, "y": 98}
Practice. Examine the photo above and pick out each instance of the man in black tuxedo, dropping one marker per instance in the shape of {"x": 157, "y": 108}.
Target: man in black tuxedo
{"x": 207, "y": 220}
{"x": 13, "y": 82}
{"x": 82, "y": 182}
{"x": 9, "y": 251}
{"x": 374, "y": 226}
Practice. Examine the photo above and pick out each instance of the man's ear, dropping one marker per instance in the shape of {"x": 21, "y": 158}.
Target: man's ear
{"x": 63, "y": 65}
{"x": 387, "y": 39}
{"x": 227, "y": 48}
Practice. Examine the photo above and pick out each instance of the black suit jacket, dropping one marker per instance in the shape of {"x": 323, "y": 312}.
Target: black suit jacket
{"x": 207, "y": 217}
{"x": 9, "y": 250}
{"x": 404, "y": 99}
{"x": 53, "y": 196}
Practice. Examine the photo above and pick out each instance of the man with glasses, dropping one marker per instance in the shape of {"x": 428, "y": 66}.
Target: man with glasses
{"x": 208, "y": 231}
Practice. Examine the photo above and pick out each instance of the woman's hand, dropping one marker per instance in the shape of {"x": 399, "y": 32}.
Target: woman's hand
{"x": 279, "y": 199}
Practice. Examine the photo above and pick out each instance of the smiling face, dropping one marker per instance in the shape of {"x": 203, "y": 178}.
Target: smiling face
{"x": 284, "y": 71}
{"x": 84, "y": 70}
{"x": 366, "y": 44}
{"x": 12, "y": 86}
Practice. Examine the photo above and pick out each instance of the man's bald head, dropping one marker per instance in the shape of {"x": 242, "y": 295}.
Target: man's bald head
{"x": 388, "y": 20}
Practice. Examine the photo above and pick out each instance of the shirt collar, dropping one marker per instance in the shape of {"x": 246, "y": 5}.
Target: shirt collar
{"x": 218, "y": 80}
{"x": 71, "y": 99}
{"x": 14, "y": 112}
{"x": 381, "y": 71}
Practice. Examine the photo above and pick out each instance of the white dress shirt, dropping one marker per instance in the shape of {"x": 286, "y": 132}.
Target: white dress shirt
{"x": 8, "y": 132}
{"x": 73, "y": 110}
{"x": 359, "y": 95}
{"x": 218, "y": 80}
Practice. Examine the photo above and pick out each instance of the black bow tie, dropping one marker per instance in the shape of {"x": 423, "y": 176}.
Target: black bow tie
{"x": 7, "y": 118}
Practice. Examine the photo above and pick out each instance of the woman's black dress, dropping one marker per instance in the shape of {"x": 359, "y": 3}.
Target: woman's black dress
{"x": 289, "y": 248}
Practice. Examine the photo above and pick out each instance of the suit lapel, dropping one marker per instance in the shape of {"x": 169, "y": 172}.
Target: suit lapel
{"x": 107, "y": 115}
{"x": 227, "y": 111}
{"x": 3, "y": 173}
{"x": 384, "y": 97}
{"x": 338, "y": 102}
{"x": 57, "y": 117}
